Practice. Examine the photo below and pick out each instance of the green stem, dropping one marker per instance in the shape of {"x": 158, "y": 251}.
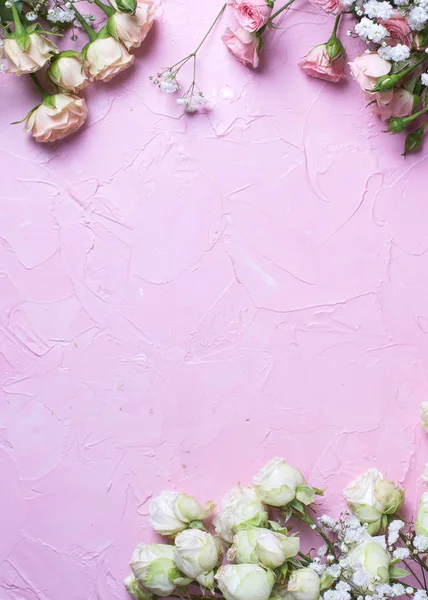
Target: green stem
{"x": 109, "y": 10}
{"x": 92, "y": 35}
{"x": 336, "y": 25}
{"x": 19, "y": 27}
{"x": 43, "y": 93}
{"x": 305, "y": 557}
{"x": 276, "y": 14}
{"x": 307, "y": 519}
{"x": 211, "y": 28}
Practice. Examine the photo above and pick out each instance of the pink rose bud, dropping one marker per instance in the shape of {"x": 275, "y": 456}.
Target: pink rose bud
{"x": 28, "y": 55}
{"x": 243, "y": 45}
{"x": 366, "y": 70}
{"x": 252, "y": 15}
{"x": 132, "y": 29}
{"x": 106, "y": 58}
{"x": 333, "y": 7}
{"x": 67, "y": 72}
{"x": 399, "y": 103}
{"x": 56, "y": 117}
{"x": 322, "y": 64}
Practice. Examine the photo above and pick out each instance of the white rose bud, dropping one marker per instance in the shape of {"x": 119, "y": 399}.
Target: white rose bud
{"x": 197, "y": 552}
{"x": 263, "y": 546}
{"x": 28, "y": 55}
{"x": 245, "y": 582}
{"x": 422, "y": 517}
{"x": 206, "y": 579}
{"x": 67, "y": 72}
{"x": 153, "y": 565}
{"x": 131, "y": 30}
{"x": 56, "y": 117}
{"x": 171, "y": 512}
{"x": 241, "y": 509}
{"x": 278, "y": 484}
{"x": 106, "y": 58}
{"x": 134, "y": 588}
{"x": 373, "y": 558}
{"x": 304, "y": 584}
{"x": 370, "y": 497}
{"x": 424, "y": 415}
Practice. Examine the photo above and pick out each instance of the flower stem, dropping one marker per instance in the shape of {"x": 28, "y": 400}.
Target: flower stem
{"x": 108, "y": 10}
{"x": 279, "y": 11}
{"x": 336, "y": 24}
{"x": 92, "y": 35}
{"x": 43, "y": 93}
{"x": 211, "y": 28}
{"x": 19, "y": 27}
{"x": 307, "y": 519}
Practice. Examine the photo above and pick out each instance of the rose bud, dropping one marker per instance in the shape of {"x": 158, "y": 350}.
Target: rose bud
{"x": 67, "y": 71}
{"x": 132, "y": 30}
{"x": 56, "y": 117}
{"x": 106, "y": 57}
{"x": 245, "y": 582}
{"x": 28, "y": 53}
{"x": 244, "y": 46}
{"x": 241, "y": 509}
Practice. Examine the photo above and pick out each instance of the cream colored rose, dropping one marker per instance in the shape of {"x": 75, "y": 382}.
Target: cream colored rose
{"x": 241, "y": 509}
{"x": 153, "y": 565}
{"x": 370, "y": 496}
{"x": 277, "y": 483}
{"x": 422, "y": 516}
{"x": 196, "y": 552}
{"x": 372, "y": 558}
{"x": 304, "y": 584}
{"x": 171, "y": 512}
{"x": 38, "y": 52}
{"x": 263, "y": 546}
{"x": 68, "y": 73}
{"x": 133, "y": 29}
{"x": 136, "y": 590}
{"x": 245, "y": 582}
{"x": 106, "y": 58}
{"x": 58, "y": 116}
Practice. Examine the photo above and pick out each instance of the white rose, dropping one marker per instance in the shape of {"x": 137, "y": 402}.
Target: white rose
{"x": 277, "y": 484}
{"x": 106, "y": 58}
{"x": 196, "y": 552}
{"x": 56, "y": 117}
{"x": 171, "y": 512}
{"x": 370, "y": 496}
{"x": 304, "y": 584}
{"x": 259, "y": 545}
{"x": 424, "y": 413}
{"x": 133, "y": 29}
{"x": 245, "y": 582}
{"x": 372, "y": 557}
{"x": 422, "y": 516}
{"x": 241, "y": 509}
{"x": 154, "y": 566}
{"x": 67, "y": 72}
{"x": 134, "y": 588}
{"x": 29, "y": 56}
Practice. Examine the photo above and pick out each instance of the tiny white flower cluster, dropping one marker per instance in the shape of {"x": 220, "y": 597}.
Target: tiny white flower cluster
{"x": 396, "y": 53}
{"x": 60, "y": 15}
{"x": 167, "y": 82}
{"x": 424, "y": 79}
{"x": 394, "y": 531}
{"x": 371, "y": 31}
{"x": 417, "y": 18}
{"x": 421, "y": 543}
{"x": 378, "y": 10}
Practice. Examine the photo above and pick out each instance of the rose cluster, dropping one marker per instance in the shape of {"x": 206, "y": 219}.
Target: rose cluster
{"x": 26, "y": 50}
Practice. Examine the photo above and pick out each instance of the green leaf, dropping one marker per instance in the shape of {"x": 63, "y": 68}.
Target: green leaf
{"x": 297, "y": 505}
{"x": 23, "y": 42}
{"x": 111, "y": 26}
{"x": 26, "y": 116}
{"x": 278, "y": 527}
{"x": 397, "y": 573}
{"x": 318, "y": 492}
{"x": 305, "y": 494}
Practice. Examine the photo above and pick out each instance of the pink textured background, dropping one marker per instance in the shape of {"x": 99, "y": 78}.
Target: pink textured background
{"x": 183, "y": 298}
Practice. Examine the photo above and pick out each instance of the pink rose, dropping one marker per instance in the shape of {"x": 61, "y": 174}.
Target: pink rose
{"x": 318, "y": 64}
{"x": 398, "y": 29}
{"x": 56, "y": 117}
{"x": 367, "y": 68}
{"x": 393, "y": 104}
{"x": 133, "y": 29}
{"x": 251, "y": 14}
{"x": 333, "y": 7}
{"x": 20, "y": 62}
{"x": 243, "y": 45}
{"x": 67, "y": 72}
{"x": 106, "y": 57}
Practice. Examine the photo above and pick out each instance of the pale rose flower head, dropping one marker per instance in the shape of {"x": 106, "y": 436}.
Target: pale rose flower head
{"x": 262, "y": 546}
{"x": 398, "y": 29}
{"x": 241, "y": 509}
{"x": 171, "y": 512}
{"x": 20, "y": 62}
{"x": 278, "y": 483}
{"x": 56, "y": 117}
{"x": 134, "y": 587}
{"x": 367, "y": 68}
{"x": 333, "y": 7}
{"x": 422, "y": 516}
{"x": 197, "y": 552}
{"x": 424, "y": 415}
{"x": 372, "y": 558}
{"x": 133, "y": 29}
{"x": 251, "y": 15}
{"x": 243, "y": 45}
{"x": 318, "y": 64}
{"x": 245, "y": 582}
{"x": 106, "y": 57}
{"x": 68, "y": 73}
{"x": 153, "y": 565}
{"x": 304, "y": 584}
{"x": 398, "y": 103}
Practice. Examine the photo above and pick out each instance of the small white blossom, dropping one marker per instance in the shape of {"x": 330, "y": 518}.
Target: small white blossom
{"x": 409, "y": 591}
{"x": 421, "y": 543}
{"x": 401, "y": 553}
{"x": 417, "y": 18}
{"x": 368, "y": 30}
{"x": 378, "y": 10}
{"x": 334, "y": 571}
{"x": 424, "y": 78}
{"x": 395, "y": 53}
{"x": 401, "y": 2}
{"x": 317, "y": 567}
{"x": 421, "y": 595}
{"x": 360, "y": 578}
{"x": 398, "y": 590}
{"x": 327, "y": 522}
{"x": 61, "y": 15}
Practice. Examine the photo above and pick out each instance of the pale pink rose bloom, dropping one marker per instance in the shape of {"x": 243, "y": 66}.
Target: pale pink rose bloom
{"x": 397, "y": 103}
{"x": 38, "y": 53}
{"x": 318, "y": 64}
{"x": 133, "y": 29}
{"x": 333, "y": 7}
{"x": 251, "y": 14}
{"x": 67, "y": 72}
{"x": 106, "y": 58}
{"x": 243, "y": 45}
{"x": 51, "y": 123}
{"x": 367, "y": 68}
{"x": 399, "y": 31}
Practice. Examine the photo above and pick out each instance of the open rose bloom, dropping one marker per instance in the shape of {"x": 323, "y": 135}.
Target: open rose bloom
{"x": 20, "y": 62}
{"x": 106, "y": 58}
{"x": 398, "y": 103}
{"x": 68, "y": 73}
{"x": 243, "y": 45}
{"x": 133, "y": 29}
{"x": 58, "y": 116}
{"x": 318, "y": 64}
{"x": 252, "y": 15}
{"x": 333, "y": 7}
{"x": 366, "y": 70}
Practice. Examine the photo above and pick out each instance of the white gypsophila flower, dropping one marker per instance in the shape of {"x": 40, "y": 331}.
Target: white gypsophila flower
{"x": 420, "y": 595}
{"x": 317, "y": 567}
{"x": 378, "y": 10}
{"x": 394, "y": 531}
{"x": 60, "y": 15}
{"x": 424, "y": 80}
{"x": 343, "y": 586}
{"x": 409, "y": 591}
{"x": 322, "y": 550}
{"x": 395, "y": 53}
{"x": 417, "y": 19}
{"x": 278, "y": 483}
{"x": 241, "y": 509}
{"x": 334, "y": 571}
{"x": 421, "y": 543}
{"x": 368, "y": 30}
{"x": 327, "y": 522}
{"x": 398, "y": 590}
{"x": 401, "y": 553}
{"x": 401, "y": 2}
{"x": 360, "y": 578}
{"x": 167, "y": 82}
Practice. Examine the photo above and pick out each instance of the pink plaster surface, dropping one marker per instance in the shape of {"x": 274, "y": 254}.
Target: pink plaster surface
{"x": 182, "y": 298}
